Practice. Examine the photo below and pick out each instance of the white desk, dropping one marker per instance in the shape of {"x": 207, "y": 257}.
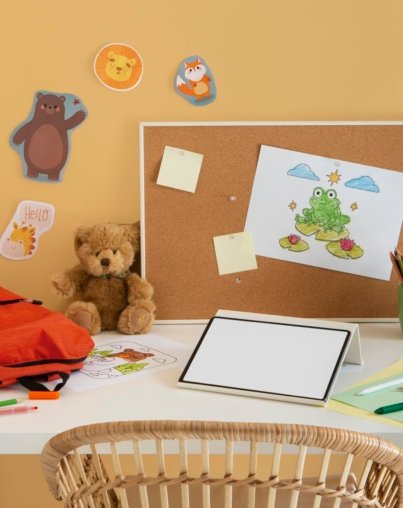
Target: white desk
{"x": 155, "y": 396}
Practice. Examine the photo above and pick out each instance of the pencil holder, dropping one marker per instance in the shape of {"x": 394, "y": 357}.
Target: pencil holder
{"x": 401, "y": 306}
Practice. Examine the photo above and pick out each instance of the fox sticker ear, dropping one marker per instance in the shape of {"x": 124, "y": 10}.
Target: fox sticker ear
{"x": 194, "y": 81}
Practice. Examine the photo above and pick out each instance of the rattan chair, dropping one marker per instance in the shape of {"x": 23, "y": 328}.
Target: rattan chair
{"x": 192, "y": 464}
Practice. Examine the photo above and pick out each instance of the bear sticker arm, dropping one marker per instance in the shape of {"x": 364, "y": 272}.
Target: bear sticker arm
{"x": 75, "y": 120}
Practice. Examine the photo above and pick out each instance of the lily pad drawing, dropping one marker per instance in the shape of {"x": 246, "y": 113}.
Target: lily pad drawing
{"x": 307, "y": 229}
{"x": 345, "y": 248}
{"x": 331, "y": 236}
{"x": 293, "y": 243}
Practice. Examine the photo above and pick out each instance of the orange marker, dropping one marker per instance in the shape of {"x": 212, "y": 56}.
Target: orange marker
{"x": 43, "y": 395}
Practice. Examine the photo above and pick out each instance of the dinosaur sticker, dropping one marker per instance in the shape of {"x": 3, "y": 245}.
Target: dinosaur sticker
{"x": 325, "y": 212}
{"x": 194, "y": 81}
{"x": 21, "y": 237}
{"x": 118, "y": 67}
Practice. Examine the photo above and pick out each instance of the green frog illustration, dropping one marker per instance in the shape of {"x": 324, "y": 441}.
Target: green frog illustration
{"x": 325, "y": 211}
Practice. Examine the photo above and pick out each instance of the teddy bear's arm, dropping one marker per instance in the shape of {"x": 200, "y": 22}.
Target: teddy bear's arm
{"x": 138, "y": 288}
{"x": 70, "y": 281}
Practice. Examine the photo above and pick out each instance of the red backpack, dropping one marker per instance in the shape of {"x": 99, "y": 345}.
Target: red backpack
{"x": 37, "y": 344}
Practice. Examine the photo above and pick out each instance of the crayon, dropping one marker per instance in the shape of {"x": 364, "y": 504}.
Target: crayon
{"x": 43, "y": 395}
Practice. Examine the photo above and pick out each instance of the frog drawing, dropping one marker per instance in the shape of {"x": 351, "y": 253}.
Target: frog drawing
{"x": 324, "y": 212}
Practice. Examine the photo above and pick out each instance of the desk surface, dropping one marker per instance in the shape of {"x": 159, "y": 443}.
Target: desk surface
{"x": 156, "y": 396}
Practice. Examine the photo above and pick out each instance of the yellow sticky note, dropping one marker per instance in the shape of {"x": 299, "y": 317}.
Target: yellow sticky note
{"x": 235, "y": 252}
{"x": 179, "y": 169}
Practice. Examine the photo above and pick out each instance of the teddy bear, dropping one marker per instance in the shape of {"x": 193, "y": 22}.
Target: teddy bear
{"x": 107, "y": 295}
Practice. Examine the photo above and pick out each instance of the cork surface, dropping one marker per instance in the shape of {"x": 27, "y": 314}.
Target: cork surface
{"x": 179, "y": 226}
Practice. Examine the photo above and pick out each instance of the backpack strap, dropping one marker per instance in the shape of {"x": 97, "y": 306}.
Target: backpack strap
{"x": 31, "y": 383}
{"x": 18, "y": 300}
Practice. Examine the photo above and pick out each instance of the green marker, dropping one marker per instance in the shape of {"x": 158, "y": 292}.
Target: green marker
{"x": 389, "y": 409}
{"x": 9, "y": 402}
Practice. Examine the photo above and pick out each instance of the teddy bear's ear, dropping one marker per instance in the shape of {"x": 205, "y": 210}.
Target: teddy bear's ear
{"x": 81, "y": 237}
{"x": 132, "y": 233}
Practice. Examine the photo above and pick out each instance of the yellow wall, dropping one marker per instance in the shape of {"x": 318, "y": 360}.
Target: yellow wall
{"x": 25, "y": 471}
{"x": 272, "y": 60}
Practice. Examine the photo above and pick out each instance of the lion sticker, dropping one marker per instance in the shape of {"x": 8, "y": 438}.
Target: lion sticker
{"x": 118, "y": 66}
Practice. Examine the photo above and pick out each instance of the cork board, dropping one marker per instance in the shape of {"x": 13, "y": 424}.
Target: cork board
{"x": 178, "y": 227}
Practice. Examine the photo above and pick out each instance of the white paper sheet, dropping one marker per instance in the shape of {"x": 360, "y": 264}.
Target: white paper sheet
{"x": 117, "y": 358}
{"x": 350, "y": 214}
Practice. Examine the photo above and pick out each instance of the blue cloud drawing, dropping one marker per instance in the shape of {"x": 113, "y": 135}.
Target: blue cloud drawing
{"x": 303, "y": 171}
{"x": 364, "y": 183}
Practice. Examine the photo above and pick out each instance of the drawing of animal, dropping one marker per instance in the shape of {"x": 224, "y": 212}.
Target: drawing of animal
{"x": 198, "y": 81}
{"x": 23, "y": 238}
{"x": 131, "y": 355}
{"x": 119, "y": 67}
{"x": 45, "y": 136}
{"x": 324, "y": 211}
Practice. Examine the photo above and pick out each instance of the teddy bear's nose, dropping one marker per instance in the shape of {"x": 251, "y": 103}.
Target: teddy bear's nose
{"x": 105, "y": 261}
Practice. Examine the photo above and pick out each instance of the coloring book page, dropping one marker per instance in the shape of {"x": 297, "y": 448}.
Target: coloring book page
{"x": 117, "y": 358}
{"x": 324, "y": 212}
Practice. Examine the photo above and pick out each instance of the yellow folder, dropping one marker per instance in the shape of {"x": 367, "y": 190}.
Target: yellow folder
{"x": 340, "y": 407}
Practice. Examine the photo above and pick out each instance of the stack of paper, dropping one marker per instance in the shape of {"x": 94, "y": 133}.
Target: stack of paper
{"x": 349, "y": 402}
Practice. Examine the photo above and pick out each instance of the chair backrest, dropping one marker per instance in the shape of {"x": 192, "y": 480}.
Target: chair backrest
{"x": 194, "y": 464}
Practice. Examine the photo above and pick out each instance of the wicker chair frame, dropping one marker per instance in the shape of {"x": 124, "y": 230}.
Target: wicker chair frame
{"x": 81, "y": 479}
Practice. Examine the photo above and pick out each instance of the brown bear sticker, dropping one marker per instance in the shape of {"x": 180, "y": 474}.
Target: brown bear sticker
{"x": 43, "y": 139}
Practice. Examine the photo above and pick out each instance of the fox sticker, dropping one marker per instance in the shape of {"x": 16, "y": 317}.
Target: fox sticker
{"x": 194, "y": 81}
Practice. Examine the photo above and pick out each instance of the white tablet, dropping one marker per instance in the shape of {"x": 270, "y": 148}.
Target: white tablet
{"x": 283, "y": 361}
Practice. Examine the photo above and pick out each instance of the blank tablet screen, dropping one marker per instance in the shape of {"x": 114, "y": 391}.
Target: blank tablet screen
{"x": 273, "y": 358}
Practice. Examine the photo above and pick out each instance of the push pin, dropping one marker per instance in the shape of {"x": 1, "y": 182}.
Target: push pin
{"x": 232, "y": 198}
{"x": 238, "y": 280}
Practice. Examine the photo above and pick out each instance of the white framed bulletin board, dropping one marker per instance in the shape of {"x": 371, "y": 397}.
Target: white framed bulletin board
{"x": 181, "y": 227}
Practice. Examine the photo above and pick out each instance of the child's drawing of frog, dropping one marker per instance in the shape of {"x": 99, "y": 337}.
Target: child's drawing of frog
{"x": 325, "y": 211}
